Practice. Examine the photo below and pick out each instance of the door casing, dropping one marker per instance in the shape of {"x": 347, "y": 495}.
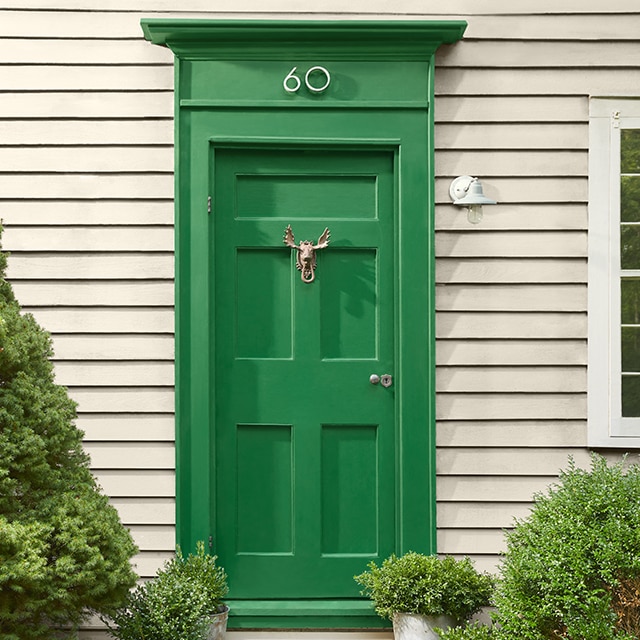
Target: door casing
{"x": 382, "y": 70}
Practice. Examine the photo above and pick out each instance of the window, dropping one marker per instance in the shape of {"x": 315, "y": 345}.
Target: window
{"x": 614, "y": 273}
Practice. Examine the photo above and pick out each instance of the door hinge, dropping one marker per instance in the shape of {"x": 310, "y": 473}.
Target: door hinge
{"x": 209, "y": 204}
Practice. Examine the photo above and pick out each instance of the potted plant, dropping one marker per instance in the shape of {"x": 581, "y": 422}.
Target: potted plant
{"x": 420, "y": 593}
{"x": 183, "y": 602}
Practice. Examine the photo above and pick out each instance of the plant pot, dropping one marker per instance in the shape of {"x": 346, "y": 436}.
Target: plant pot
{"x": 218, "y": 627}
{"x": 412, "y": 626}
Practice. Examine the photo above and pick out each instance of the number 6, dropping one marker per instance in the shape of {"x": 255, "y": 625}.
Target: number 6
{"x": 292, "y": 76}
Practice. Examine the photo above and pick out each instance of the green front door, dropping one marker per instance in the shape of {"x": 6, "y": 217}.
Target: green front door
{"x": 306, "y": 445}
{"x": 290, "y": 462}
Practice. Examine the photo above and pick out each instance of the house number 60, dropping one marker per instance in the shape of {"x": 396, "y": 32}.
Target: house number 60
{"x": 292, "y": 82}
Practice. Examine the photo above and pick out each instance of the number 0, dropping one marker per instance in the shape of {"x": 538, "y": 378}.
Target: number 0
{"x": 324, "y": 86}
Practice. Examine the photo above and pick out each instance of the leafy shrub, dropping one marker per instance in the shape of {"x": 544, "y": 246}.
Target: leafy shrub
{"x": 428, "y": 585}
{"x": 471, "y": 631}
{"x": 63, "y": 549}
{"x": 178, "y": 603}
{"x": 572, "y": 568}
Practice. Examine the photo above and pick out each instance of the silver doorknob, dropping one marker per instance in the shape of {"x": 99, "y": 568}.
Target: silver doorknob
{"x": 385, "y": 380}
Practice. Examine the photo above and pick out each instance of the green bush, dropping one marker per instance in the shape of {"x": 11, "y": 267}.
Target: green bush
{"x": 63, "y": 550}
{"x": 177, "y": 604}
{"x": 471, "y": 631}
{"x": 572, "y": 568}
{"x": 427, "y": 585}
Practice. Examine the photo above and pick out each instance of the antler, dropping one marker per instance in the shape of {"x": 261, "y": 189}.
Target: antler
{"x": 323, "y": 240}
{"x": 289, "y": 240}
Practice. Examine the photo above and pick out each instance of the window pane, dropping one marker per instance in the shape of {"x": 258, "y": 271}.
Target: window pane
{"x": 630, "y": 300}
{"x": 630, "y": 151}
{"x": 631, "y": 349}
{"x": 630, "y": 396}
{"x": 630, "y": 198}
{"x": 630, "y": 246}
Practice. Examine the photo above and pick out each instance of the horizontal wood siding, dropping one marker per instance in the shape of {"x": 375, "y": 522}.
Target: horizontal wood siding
{"x": 86, "y": 157}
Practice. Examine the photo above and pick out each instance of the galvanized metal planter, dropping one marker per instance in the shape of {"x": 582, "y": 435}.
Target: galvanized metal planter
{"x": 413, "y": 626}
{"x": 218, "y": 628}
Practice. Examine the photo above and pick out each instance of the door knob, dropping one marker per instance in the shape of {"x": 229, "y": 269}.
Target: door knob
{"x": 385, "y": 380}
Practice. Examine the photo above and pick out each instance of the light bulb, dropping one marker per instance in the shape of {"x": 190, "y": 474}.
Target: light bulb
{"x": 474, "y": 213}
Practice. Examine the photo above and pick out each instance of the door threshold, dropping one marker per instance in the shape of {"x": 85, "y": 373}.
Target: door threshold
{"x": 310, "y": 634}
{"x": 304, "y": 614}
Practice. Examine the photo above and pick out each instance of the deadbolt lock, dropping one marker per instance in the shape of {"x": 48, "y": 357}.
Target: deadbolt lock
{"x": 385, "y": 380}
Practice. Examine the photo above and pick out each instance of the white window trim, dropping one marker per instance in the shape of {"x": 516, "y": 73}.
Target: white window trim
{"x": 606, "y": 426}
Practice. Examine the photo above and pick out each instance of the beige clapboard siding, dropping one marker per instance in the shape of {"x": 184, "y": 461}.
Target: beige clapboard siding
{"x": 87, "y": 186}
{"x": 146, "y": 511}
{"x": 469, "y": 7}
{"x": 512, "y": 297}
{"x": 482, "y": 81}
{"x": 453, "y": 488}
{"x": 511, "y": 380}
{"x": 516, "y": 163}
{"x": 125, "y": 374}
{"x": 524, "y": 190}
{"x": 511, "y": 244}
{"x": 89, "y": 239}
{"x": 480, "y": 515}
{"x": 131, "y": 455}
{"x": 113, "y": 266}
{"x": 516, "y": 217}
{"x": 21, "y": 215}
{"x": 87, "y": 78}
{"x": 492, "y": 138}
{"x": 127, "y": 427}
{"x": 481, "y": 324}
{"x": 95, "y": 104}
{"x": 505, "y": 461}
{"x": 105, "y": 320}
{"x": 153, "y": 537}
{"x": 486, "y": 541}
{"x": 511, "y": 406}
{"x": 79, "y": 293}
{"x": 511, "y": 352}
{"x": 124, "y": 400}
{"x": 153, "y": 483}
{"x": 496, "y": 270}
{"x": 87, "y": 159}
{"x": 516, "y": 109}
{"x": 60, "y": 52}
{"x": 113, "y": 347}
{"x": 510, "y": 433}
{"x": 539, "y": 54}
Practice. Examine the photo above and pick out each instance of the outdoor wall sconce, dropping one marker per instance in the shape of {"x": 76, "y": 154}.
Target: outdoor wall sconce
{"x": 466, "y": 191}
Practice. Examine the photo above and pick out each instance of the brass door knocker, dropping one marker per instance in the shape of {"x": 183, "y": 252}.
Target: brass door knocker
{"x": 306, "y": 256}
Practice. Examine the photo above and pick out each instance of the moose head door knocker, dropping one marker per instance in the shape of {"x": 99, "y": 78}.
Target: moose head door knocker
{"x": 306, "y": 256}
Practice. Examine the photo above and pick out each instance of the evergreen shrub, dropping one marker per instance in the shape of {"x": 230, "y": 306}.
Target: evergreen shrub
{"x": 572, "y": 568}
{"x": 63, "y": 550}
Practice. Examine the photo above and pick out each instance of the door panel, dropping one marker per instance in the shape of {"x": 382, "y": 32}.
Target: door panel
{"x": 305, "y": 466}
